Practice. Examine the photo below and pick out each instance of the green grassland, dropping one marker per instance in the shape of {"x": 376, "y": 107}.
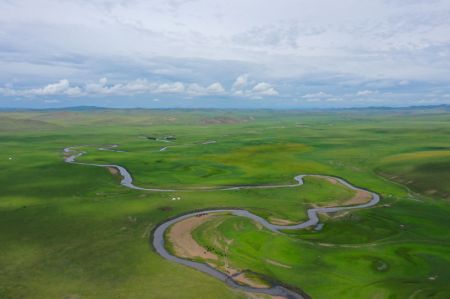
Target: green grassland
{"x": 72, "y": 231}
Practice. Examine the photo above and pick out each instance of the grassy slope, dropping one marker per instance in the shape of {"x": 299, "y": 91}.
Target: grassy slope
{"x": 360, "y": 259}
{"x": 423, "y": 171}
{"x": 72, "y": 230}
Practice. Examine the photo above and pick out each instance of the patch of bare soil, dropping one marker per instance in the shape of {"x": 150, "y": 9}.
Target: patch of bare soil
{"x": 113, "y": 170}
{"x": 360, "y": 197}
{"x": 180, "y": 235}
{"x": 278, "y": 221}
{"x": 331, "y": 180}
{"x": 262, "y": 296}
{"x": 242, "y": 278}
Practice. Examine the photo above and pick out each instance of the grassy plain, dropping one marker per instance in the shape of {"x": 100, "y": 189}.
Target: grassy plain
{"x": 71, "y": 231}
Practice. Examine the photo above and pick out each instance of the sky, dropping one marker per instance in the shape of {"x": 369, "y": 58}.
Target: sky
{"x": 224, "y": 54}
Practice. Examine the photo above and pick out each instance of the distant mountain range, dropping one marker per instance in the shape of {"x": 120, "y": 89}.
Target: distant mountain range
{"x": 445, "y": 107}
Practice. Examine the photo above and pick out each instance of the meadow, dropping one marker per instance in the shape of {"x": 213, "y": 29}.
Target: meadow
{"x": 72, "y": 231}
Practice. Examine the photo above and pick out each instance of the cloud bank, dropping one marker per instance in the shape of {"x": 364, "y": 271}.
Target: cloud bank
{"x": 289, "y": 52}
{"x": 139, "y": 86}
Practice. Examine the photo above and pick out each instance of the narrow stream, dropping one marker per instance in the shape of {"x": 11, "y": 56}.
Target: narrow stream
{"x": 158, "y": 235}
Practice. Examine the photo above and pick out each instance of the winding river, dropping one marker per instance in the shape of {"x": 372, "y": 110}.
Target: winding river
{"x": 158, "y": 235}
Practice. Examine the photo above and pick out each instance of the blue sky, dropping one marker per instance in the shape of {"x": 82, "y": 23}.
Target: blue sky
{"x": 236, "y": 53}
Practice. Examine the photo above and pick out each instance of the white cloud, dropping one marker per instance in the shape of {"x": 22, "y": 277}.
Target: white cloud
{"x": 97, "y": 88}
{"x": 176, "y": 87}
{"x": 138, "y": 86}
{"x": 129, "y": 88}
{"x": 264, "y": 89}
{"x": 179, "y": 47}
{"x": 199, "y": 90}
{"x": 60, "y": 88}
{"x": 196, "y": 89}
{"x": 242, "y": 87}
{"x": 400, "y": 41}
{"x": 143, "y": 86}
{"x": 73, "y": 91}
{"x": 378, "y": 35}
{"x": 240, "y": 83}
{"x": 52, "y": 89}
{"x": 316, "y": 95}
{"x": 363, "y": 93}
{"x": 215, "y": 88}
{"x": 63, "y": 87}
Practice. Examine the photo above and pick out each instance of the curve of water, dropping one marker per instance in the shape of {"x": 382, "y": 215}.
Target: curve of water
{"x": 158, "y": 234}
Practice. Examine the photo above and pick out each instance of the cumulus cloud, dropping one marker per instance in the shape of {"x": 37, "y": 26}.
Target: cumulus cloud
{"x": 199, "y": 90}
{"x": 240, "y": 83}
{"x": 138, "y": 86}
{"x": 242, "y": 87}
{"x": 52, "y": 89}
{"x": 98, "y": 88}
{"x": 129, "y": 88}
{"x": 215, "y": 88}
{"x": 62, "y": 87}
{"x": 195, "y": 89}
{"x": 134, "y": 87}
{"x": 176, "y": 87}
{"x": 264, "y": 89}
